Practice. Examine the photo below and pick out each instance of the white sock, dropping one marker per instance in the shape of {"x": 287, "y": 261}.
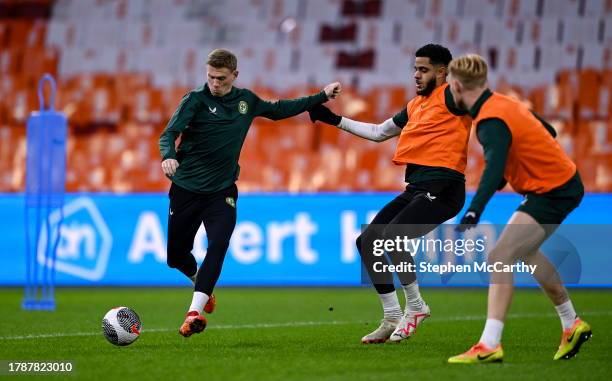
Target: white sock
{"x": 198, "y": 302}
{"x": 491, "y": 335}
{"x": 567, "y": 314}
{"x": 414, "y": 301}
{"x": 391, "y": 306}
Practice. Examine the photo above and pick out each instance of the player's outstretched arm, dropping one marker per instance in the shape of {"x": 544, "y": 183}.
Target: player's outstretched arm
{"x": 370, "y": 131}
{"x": 287, "y": 108}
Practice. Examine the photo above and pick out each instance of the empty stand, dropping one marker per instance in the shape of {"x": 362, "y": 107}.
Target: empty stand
{"x": 123, "y": 66}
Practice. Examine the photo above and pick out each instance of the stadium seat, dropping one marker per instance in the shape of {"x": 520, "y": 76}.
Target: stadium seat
{"x": 122, "y": 76}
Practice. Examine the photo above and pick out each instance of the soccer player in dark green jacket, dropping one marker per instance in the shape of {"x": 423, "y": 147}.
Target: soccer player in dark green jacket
{"x": 213, "y": 121}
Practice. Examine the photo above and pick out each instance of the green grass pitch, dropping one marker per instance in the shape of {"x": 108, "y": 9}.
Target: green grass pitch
{"x": 299, "y": 334}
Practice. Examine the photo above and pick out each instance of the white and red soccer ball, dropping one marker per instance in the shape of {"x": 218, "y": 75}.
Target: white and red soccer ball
{"x": 121, "y": 326}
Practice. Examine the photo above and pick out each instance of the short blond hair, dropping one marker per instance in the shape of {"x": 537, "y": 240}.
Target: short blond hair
{"x": 470, "y": 70}
{"x": 222, "y": 58}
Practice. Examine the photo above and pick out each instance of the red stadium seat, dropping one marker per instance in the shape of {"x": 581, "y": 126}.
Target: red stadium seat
{"x": 121, "y": 87}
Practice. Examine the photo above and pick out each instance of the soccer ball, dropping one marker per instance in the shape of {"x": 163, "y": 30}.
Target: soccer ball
{"x": 121, "y": 326}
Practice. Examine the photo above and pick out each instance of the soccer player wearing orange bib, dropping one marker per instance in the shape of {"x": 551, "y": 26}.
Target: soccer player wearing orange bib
{"x": 519, "y": 147}
{"x": 433, "y": 136}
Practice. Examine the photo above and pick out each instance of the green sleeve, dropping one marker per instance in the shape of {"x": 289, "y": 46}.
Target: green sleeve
{"x": 495, "y": 138}
{"x": 287, "y": 108}
{"x": 177, "y": 124}
{"x": 547, "y": 125}
{"x": 401, "y": 118}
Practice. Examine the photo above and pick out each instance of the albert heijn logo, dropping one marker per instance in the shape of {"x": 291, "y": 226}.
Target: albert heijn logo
{"x": 84, "y": 243}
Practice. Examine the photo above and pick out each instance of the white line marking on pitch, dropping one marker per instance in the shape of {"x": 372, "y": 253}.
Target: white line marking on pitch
{"x": 300, "y": 324}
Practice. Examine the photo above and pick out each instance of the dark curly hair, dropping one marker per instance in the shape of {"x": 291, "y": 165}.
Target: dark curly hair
{"x": 437, "y": 54}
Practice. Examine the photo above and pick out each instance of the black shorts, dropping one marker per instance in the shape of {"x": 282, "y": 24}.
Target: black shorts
{"x": 188, "y": 210}
{"x": 552, "y": 207}
{"x": 417, "y": 211}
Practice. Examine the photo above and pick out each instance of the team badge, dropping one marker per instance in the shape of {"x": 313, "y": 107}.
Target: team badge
{"x": 243, "y": 107}
{"x": 230, "y": 201}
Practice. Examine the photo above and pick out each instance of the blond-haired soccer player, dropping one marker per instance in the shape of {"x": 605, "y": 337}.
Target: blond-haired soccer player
{"x": 520, "y": 148}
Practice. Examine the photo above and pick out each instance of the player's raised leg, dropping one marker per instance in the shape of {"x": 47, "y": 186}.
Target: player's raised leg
{"x": 219, "y": 220}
